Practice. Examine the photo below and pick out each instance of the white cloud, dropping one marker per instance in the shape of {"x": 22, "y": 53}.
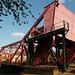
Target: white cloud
{"x": 17, "y": 34}
{"x": 0, "y": 47}
{"x": 62, "y": 1}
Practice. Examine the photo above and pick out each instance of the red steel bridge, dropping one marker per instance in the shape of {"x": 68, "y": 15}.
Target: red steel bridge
{"x": 58, "y": 31}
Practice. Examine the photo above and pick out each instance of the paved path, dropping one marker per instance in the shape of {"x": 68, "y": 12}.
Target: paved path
{"x": 66, "y": 73}
{"x": 70, "y": 71}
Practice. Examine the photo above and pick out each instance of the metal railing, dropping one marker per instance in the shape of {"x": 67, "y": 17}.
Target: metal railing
{"x": 61, "y": 24}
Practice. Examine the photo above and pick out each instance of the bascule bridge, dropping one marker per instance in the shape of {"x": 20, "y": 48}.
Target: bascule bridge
{"x": 58, "y": 31}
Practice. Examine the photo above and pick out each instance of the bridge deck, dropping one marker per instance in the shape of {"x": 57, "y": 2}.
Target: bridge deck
{"x": 48, "y": 34}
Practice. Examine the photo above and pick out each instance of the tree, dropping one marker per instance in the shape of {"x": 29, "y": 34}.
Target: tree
{"x": 16, "y": 7}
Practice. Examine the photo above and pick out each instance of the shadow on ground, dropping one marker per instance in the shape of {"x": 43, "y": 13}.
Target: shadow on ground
{"x": 24, "y": 70}
{"x": 73, "y": 71}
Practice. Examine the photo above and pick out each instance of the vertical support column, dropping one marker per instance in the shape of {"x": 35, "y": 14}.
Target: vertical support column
{"x": 58, "y": 55}
{"x": 9, "y": 54}
{"x": 28, "y": 58}
{"x": 31, "y": 48}
{"x": 30, "y": 52}
{"x": 64, "y": 51}
{"x": 21, "y": 54}
{"x": 56, "y": 51}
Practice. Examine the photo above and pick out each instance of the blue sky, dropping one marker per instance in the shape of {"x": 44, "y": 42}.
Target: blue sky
{"x": 10, "y": 33}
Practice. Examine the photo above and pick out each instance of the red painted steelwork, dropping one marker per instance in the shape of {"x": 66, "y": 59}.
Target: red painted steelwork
{"x": 61, "y": 13}
{"x": 11, "y": 44}
{"x": 70, "y": 51}
{"x": 17, "y": 58}
{"x": 23, "y": 40}
{"x": 15, "y": 52}
{"x": 43, "y": 51}
{"x": 48, "y": 17}
{"x": 9, "y": 53}
{"x": 36, "y": 23}
{"x": 53, "y": 13}
{"x": 22, "y": 54}
{"x": 58, "y": 14}
{"x": 5, "y": 55}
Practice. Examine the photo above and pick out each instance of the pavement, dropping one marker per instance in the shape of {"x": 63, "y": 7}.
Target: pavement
{"x": 70, "y": 71}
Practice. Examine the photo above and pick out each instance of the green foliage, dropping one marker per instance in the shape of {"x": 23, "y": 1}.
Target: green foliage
{"x": 61, "y": 51}
{"x": 24, "y": 61}
{"x": 50, "y": 57}
{"x": 16, "y": 7}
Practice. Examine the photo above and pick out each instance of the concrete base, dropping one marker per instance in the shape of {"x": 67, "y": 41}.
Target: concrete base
{"x": 55, "y": 72}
